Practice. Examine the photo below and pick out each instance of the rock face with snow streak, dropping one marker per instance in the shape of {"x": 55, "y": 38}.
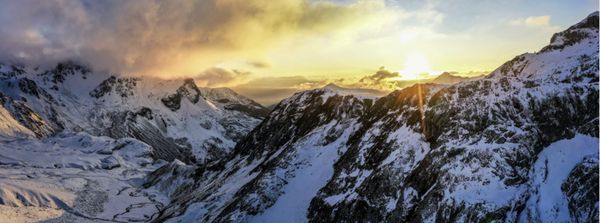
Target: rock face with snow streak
{"x": 179, "y": 119}
{"x": 518, "y": 145}
{"x": 301, "y": 138}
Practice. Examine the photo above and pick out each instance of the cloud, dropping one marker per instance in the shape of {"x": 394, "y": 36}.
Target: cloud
{"x": 532, "y": 21}
{"x": 536, "y": 22}
{"x": 381, "y": 75}
{"x": 216, "y": 77}
{"x": 178, "y": 37}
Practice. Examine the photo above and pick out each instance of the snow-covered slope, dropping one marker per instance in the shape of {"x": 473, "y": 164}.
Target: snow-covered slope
{"x": 180, "y": 120}
{"x": 477, "y": 151}
{"x": 76, "y": 178}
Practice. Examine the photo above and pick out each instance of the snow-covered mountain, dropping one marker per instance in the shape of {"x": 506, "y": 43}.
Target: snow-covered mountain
{"x": 179, "y": 119}
{"x": 75, "y": 145}
{"x": 519, "y": 145}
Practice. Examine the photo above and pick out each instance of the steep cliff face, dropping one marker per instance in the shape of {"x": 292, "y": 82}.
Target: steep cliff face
{"x": 179, "y": 119}
{"x": 506, "y": 147}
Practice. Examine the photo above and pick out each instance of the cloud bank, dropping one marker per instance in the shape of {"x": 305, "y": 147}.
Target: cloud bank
{"x": 178, "y": 37}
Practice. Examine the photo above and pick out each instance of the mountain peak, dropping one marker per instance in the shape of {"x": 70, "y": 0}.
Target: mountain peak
{"x": 70, "y": 67}
{"x": 334, "y": 87}
{"x": 578, "y": 33}
{"x": 574, "y": 49}
{"x": 446, "y": 75}
{"x": 450, "y": 78}
{"x": 591, "y": 21}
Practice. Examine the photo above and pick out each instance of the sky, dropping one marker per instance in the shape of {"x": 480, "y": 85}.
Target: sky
{"x": 234, "y": 42}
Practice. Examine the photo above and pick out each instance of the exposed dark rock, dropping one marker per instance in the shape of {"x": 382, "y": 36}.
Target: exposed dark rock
{"x": 581, "y": 189}
{"x": 104, "y": 88}
{"x": 188, "y": 90}
{"x": 59, "y": 73}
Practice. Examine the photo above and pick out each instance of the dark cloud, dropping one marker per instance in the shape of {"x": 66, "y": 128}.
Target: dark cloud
{"x": 156, "y": 36}
{"x": 381, "y": 75}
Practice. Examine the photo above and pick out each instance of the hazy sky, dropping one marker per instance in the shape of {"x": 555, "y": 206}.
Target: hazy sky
{"x": 227, "y": 42}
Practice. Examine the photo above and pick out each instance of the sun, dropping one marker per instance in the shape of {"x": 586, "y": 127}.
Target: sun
{"x": 415, "y": 64}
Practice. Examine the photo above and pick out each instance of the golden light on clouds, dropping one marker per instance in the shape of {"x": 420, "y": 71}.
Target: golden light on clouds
{"x": 248, "y": 30}
{"x": 341, "y": 39}
{"x": 174, "y": 38}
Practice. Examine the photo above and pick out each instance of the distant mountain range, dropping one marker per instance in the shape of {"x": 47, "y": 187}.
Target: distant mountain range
{"x": 269, "y": 91}
{"x": 446, "y": 78}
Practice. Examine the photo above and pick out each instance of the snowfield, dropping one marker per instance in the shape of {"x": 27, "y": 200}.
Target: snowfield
{"x": 76, "y": 178}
